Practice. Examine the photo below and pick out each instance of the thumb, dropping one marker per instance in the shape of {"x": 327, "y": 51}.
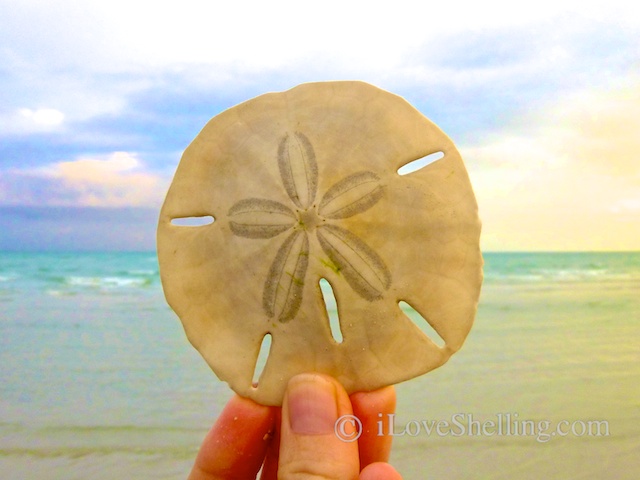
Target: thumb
{"x": 309, "y": 446}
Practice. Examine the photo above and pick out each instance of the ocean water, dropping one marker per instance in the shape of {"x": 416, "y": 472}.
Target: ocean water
{"x": 97, "y": 379}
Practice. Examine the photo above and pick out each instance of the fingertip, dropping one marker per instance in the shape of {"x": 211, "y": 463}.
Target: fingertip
{"x": 309, "y": 445}
{"x": 379, "y": 471}
{"x": 373, "y": 410}
{"x": 381, "y": 401}
{"x": 311, "y": 404}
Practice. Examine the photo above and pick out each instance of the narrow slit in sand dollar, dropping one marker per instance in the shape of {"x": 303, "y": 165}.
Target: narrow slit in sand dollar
{"x": 261, "y": 360}
{"x": 331, "y": 306}
{"x": 196, "y": 221}
{"x": 420, "y": 163}
{"x": 422, "y": 323}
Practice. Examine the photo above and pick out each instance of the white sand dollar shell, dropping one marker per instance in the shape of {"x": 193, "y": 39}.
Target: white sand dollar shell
{"x": 303, "y": 185}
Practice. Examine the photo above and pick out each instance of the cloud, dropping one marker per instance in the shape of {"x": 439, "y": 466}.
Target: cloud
{"x": 27, "y": 121}
{"x": 601, "y": 130}
{"x": 128, "y": 75}
{"x": 109, "y": 35}
{"x": 533, "y": 93}
{"x": 118, "y": 180}
{"x": 570, "y": 181}
{"x": 626, "y": 205}
{"x": 49, "y": 117}
{"x": 243, "y": 39}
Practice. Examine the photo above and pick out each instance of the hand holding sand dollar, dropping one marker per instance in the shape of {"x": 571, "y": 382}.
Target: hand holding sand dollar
{"x": 303, "y": 185}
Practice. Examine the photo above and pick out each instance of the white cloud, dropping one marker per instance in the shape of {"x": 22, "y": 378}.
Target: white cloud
{"x": 267, "y": 34}
{"x": 105, "y": 36}
{"x": 87, "y": 58}
{"x": 627, "y": 205}
{"x": 28, "y": 120}
{"x": 70, "y": 61}
{"x": 49, "y": 117}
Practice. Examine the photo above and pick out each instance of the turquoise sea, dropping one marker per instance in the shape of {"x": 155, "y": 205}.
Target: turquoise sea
{"x": 97, "y": 379}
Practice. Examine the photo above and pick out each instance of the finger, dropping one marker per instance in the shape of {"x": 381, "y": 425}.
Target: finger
{"x": 309, "y": 446}
{"x": 271, "y": 460}
{"x": 235, "y": 447}
{"x": 379, "y": 471}
{"x": 373, "y": 408}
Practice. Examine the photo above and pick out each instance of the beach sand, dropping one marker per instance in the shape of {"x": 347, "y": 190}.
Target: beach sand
{"x": 98, "y": 381}
{"x": 567, "y": 354}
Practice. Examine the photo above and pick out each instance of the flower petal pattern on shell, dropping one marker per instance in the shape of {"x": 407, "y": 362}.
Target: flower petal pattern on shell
{"x": 283, "y": 288}
{"x": 298, "y": 169}
{"x": 337, "y": 204}
{"x": 259, "y": 218}
{"x": 362, "y": 267}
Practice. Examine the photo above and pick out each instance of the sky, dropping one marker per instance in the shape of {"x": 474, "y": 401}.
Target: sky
{"x": 98, "y": 99}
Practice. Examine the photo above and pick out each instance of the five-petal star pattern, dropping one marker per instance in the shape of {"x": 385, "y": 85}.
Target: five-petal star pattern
{"x": 259, "y": 218}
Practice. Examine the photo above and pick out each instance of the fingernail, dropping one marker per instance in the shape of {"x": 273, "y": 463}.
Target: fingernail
{"x": 312, "y": 405}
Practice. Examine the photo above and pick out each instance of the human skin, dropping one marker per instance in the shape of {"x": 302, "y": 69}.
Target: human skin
{"x": 299, "y": 440}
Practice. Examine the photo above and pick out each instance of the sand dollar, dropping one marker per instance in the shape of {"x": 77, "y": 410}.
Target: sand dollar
{"x": 302, "y": 186}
